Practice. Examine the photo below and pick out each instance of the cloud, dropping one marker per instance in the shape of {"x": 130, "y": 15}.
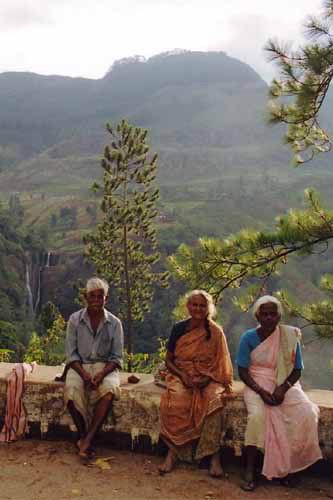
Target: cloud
{"x": 247, "y": 34}
{"x": 84, "y": 37}
{"x": 18, "y": 15}
{"x": 245, "y": 40}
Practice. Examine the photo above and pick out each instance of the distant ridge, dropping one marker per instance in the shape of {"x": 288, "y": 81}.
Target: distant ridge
{"x": 187, "y": 99}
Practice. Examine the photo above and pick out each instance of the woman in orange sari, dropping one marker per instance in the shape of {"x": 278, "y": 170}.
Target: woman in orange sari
{"x": 199, "y": 375}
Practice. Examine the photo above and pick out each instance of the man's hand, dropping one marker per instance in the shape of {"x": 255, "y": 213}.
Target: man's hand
{"x": 98, "y": 378}
{"x": 87, "y": 378}
{"x": 279, "y": 394}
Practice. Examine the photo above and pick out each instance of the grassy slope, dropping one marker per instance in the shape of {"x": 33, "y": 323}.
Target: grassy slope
{"x": 220, "y": 169}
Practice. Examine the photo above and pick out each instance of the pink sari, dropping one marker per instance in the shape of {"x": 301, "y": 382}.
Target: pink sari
{"x": 16, "y": 423}
{"x": 291, "y": 429}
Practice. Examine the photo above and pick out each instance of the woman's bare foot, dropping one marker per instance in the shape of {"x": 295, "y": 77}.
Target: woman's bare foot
{"x": 215, "y": 468}
{"x": 168, "y": 463}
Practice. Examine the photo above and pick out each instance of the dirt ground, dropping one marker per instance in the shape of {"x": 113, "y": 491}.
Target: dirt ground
{"x": 51, "y": 470}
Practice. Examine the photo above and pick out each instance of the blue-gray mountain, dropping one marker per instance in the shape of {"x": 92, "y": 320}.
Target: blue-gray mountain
{"x": 221, "y": 168}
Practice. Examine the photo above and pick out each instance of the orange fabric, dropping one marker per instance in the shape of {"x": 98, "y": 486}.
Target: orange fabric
{"x": 183, "y": 409}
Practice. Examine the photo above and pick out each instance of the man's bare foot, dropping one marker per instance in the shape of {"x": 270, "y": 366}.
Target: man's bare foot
{"x": 215, "y": 468}
{"x": 168, "y": 463}
{"x": 85, "y": 448}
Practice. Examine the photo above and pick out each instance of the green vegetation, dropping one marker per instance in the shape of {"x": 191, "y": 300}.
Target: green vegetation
{"x": 124, "y": 247}
{"x": 253, "y": 257}
{"x": 144, "y": 362}
{"x": 305, "y": 77}
{"x": 48, "y": 349}
{"x": 17, "y": 246}
{"x": 221, "y": 170}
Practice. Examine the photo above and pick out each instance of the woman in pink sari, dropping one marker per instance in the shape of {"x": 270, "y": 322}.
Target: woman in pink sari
{"x": 282, "y": 421}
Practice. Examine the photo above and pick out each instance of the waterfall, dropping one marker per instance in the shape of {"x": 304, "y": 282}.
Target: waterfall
{"x": 34, "y": 283}
{"x": 46, "y": 263}
{"x": 38, "y": 290}
{"x": 29, "y": 292}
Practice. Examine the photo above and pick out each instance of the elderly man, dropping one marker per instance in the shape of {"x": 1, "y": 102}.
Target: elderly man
{"x": 94, "y": 345}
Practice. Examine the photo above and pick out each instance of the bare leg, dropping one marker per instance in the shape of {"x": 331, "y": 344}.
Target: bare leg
{"x": 215, "y": 468}
{"x": 168, "y": 463}
{"x": 77, "y": 419}
{"x": 102, "y": 409}
{"x": 251, "y": 455}
{"x": 251, "y": 458}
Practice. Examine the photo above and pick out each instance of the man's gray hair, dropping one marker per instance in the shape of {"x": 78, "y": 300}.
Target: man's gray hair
{"x": 97, "y": 284}
{"x": 267, "y": 299}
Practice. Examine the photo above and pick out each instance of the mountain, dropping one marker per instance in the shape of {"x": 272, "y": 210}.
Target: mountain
{"x": 221, "y": 168}
{"x": 188, "y": 100}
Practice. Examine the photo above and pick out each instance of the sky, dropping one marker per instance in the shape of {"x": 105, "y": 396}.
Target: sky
{"x": 82, "y": 38}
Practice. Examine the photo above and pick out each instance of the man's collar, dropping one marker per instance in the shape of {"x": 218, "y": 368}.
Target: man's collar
{"x": 85, "y": 316}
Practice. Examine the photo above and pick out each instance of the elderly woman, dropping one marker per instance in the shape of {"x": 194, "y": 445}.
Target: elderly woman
{"x": 199, "y": 375}
{"x": 282, "y": 420}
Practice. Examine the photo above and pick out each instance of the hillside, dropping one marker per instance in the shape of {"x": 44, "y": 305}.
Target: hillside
{"x": 192, "y": 99}
{"x": 221, "y": 168}
{"x": 205, "y": 113}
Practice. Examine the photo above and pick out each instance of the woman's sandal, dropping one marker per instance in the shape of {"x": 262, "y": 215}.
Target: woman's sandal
{"x": 289, "y": 481}
{"x": 248, "y": 485}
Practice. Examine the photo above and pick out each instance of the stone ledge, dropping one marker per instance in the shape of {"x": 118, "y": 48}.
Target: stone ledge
{"x": 137, "y": 411}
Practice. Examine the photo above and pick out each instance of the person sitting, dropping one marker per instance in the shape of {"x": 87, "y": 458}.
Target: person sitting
{"x": 94, "y": 347}
{"x": 199, "y": 372}
{"x": 282, "y": 421}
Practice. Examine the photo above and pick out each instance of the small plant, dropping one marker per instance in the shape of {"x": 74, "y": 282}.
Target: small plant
{"x": 144, "y": 362}
{"x": 5, "y": 355}
{"x": 44, "y": 349}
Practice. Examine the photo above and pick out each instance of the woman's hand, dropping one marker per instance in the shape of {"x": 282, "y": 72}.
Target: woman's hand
{"x": 202, "y": 382}
{"x": 187, "y": 381}
{"x": 228, "y": 393}
{"x": 267, "y": 397}
{"x": 279, "y": 394}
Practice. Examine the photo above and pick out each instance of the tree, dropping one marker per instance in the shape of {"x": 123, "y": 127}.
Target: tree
{"x": 124, "y": 247}
{"x": 68, "y": 216}
{"x": 49, "y": 313}
{"x": 252, "y": 257}
{"x": 302, "y": 86}
{"x": 53, "y": 220}
{"x": 249, "y": 258}
{"x": 319, "y": 314}
{"x": 48, "y": 349}
{"x": 10, "y": 346}
{"x": 16, "y": 209}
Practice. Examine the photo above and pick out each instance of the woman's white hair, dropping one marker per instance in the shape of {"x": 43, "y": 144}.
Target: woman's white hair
{"x": 208, "y": 298}
{"x": 97, "y": 284}
{"x": 266, "y": 299}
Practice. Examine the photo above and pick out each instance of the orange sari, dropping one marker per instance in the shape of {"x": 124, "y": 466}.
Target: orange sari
{"x": 183, "y": 410}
